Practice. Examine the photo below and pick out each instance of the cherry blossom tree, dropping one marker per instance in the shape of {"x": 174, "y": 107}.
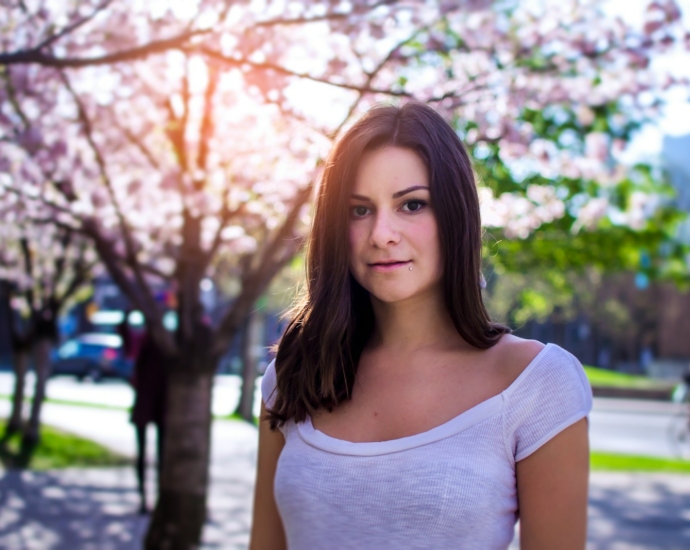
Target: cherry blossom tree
{"x": 185, "y": 142}
{"x": 42, "y": 268}
{"x": 43, "y": 263}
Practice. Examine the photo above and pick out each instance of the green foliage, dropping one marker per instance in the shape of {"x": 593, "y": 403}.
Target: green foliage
{"x": 516, "y": 298}
{"x": 286, "y": 285}
{"x": 610, "y": 379}
{"x": 609, "y": 248}
{"x": 545, "y": 266}
{"x": 58, "y": 449}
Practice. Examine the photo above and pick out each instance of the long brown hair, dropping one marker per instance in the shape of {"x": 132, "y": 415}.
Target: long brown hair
{"x": 317, "y": 358}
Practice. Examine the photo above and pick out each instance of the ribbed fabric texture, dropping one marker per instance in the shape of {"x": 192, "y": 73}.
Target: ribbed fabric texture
{"x": 450, "y": 487}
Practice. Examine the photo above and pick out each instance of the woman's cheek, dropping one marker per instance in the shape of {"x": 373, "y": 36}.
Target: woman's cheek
{"x": 356, "y": 236}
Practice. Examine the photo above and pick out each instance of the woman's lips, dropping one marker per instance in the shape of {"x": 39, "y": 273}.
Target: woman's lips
{"x": 387, "y": 267}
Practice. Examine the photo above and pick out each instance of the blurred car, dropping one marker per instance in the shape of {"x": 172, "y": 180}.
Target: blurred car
{"x": 92, "y": 355}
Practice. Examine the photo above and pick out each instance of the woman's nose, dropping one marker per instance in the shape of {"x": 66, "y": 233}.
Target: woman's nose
{"x": 383, "y": 232}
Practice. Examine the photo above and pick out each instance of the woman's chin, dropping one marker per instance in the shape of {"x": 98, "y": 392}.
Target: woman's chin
{"x": 393, "y": 296}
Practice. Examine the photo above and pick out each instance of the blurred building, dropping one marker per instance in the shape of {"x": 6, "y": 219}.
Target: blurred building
{"x": 673, "y": 344}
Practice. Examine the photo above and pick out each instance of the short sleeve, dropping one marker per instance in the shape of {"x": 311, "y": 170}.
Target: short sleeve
{"x": 268, "y": 385}
{"x": 551, "y": 394}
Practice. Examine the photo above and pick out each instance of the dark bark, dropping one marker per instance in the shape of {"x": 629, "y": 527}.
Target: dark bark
{"x": 21, "y": 339}
{"x": 42, "y": 366}
{"x": 20, "y": 363}
{"x": 180, "y": 513}
{"x": 38, "y": 57}
{"x": 251, "y": 348}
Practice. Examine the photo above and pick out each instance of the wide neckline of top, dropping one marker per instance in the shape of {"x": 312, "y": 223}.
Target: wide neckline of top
{"x": 471, "y": 417}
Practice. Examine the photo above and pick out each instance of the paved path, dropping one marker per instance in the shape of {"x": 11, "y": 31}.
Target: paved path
{"x": 96, "y": 508}
{"x": 634, "y": 511}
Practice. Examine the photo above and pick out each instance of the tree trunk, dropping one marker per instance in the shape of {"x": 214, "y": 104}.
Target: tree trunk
{"x": 251, "y": 352}
{"x": 42, "y": 368}
{"x": 180, "y": 513}
{"x": 20, "y": 360}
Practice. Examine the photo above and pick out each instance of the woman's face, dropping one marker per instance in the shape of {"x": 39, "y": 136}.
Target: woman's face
{"x": 393, "y": 227}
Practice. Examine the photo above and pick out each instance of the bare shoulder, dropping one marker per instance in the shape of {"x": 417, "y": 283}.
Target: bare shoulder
{"x": 512, "y": 355}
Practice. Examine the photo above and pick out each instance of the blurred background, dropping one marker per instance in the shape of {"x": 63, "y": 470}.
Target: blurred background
{"x": 158, "y": 162}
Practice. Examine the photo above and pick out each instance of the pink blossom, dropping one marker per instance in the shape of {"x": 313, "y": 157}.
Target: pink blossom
{"x": 597, "y": 146}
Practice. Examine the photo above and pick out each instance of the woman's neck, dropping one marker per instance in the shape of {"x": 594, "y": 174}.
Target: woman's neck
{"x": 420, "y": 322}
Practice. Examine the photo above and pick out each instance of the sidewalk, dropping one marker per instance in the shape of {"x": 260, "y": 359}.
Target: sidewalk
{"x": 639, "y": 511}
{"x": 70, "y": 510}
{"x": 96, "y": 508}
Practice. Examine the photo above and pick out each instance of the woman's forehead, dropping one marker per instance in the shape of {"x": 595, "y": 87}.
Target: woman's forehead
{"x": 389, "y": 171}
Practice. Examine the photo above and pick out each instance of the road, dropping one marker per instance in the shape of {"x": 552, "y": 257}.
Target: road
{"x": 632, "y": 426}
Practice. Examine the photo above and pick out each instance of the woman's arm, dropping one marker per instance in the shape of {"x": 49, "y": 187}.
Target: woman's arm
{"x": 552, "y": 492}
{"x": 267, "y": 528}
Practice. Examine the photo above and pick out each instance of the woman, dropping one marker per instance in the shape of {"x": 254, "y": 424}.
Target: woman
{"x": 401, "y": 415}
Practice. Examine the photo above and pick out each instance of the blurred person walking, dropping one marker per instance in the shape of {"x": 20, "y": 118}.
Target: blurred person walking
{"x": 149, "y": 381}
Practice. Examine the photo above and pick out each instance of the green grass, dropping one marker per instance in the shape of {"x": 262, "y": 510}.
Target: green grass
{"x": 611, "y": 379}
{"x": 58, "y": 449}
{"x": 632, "y": 463}
{"x": 236, "y": 417}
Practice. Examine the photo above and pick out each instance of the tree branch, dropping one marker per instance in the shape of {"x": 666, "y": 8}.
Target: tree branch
{"x": 234, "y": 62}
{"x": 206, "y": 124}
{"x": 65, "y": 242}
{"x": 56, "y": 223}
{"x": 43, "y": 200}
{"x": 74, "y": 26}
{"x": 255, "y": 280}
{"x": 37, "y": 57}
{"x": 81, "y": 273}
{"x": 226, "y": 216}
{"x": 146, "y": 268}
{"x": 361, "y": 89}
{"x": 138, "y": 143}
{"x": 177, "y": 126}
{"x": 139, "y": 293}
{"x": 100, "y": 161}
{"x": 138, "y": 296}
{"x": 318, "y": 18}
{"x": 371, "y": 75}
{"x": 11, "y": 95}
{"x": 28, "y": 269}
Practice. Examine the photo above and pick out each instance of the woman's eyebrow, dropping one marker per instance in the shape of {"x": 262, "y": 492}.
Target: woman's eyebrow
{"x": 396, "y": 195}
{"x": 399, "y": 194}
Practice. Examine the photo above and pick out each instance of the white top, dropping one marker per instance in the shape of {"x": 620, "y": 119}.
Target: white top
{"x": 450, "y": 487}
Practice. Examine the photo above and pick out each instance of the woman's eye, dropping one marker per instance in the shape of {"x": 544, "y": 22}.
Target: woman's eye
{"x": 414, "y": 206}
{"x": 359, "y": 211}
